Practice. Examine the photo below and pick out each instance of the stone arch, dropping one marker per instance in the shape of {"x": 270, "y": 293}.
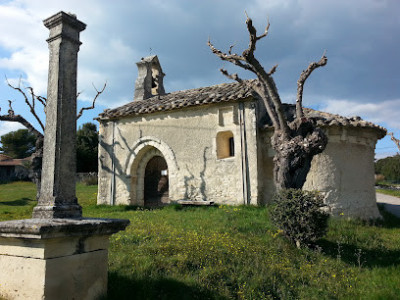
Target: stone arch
{"x": 142, "y": 152}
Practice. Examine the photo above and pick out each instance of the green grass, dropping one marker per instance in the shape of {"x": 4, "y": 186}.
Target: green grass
{"x": 395, "y": 193}
{"x": 233, "y": 253}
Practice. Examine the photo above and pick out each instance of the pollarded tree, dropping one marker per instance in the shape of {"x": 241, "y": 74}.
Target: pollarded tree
{"x": 31, "y": 102}
{"x": 296, "y": 142}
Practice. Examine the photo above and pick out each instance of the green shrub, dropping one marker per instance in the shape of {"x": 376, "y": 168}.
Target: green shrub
{"x": 300, "y": 216}
{"x": 389, "y": 167}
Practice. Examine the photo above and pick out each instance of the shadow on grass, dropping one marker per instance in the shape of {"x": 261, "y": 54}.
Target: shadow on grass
{"x": 113, "y": 208}
{"x": 18, "y": 202}
{"x": 389, "y": 220}
{"x": 366, "y": 258}
{"x": 121, "y": 287}
{"x": 360, "y": 257}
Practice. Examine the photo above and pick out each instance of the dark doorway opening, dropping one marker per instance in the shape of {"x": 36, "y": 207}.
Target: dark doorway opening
{"x": 156, "y": 182}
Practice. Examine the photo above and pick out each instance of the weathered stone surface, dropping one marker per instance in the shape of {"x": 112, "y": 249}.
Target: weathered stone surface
{"x": 55, "y": 258}
{"x": 150, "y": 78}
{"x": 58, "y": 254}
{"x": 52, "y": 228}
{"x": 57, "y": 194}
{"x": 60, "y": 268}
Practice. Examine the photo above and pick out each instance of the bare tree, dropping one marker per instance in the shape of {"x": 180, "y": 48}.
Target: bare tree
{"x": 296, "y": 142}
{"x": 396, "y": 141}
{"x": 36, "y": 166}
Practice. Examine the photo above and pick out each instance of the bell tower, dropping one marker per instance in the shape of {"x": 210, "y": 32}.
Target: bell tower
{"x": 149, "y": 82}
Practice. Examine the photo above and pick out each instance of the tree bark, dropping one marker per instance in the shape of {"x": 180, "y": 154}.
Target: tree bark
{"x": 37, "y": 157}
{"x": 296, "y": 142}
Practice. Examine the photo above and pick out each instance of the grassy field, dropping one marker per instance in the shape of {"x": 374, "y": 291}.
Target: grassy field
{"x": 227, "y": 252}
{"x": 395, "y": 193}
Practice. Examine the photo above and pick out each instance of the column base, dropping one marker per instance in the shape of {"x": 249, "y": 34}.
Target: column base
{"x": 61, "y": 211}
{"x": 55, "y": 259}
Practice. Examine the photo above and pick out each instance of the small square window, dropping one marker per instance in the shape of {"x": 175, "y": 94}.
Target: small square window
{"x": 225, "y": 144}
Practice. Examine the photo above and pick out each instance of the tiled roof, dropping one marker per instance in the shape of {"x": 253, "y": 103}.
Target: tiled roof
{"x": 327, "y": 119}
{"x": 9, "y": 161}
{"x": 225, "y": 92}
{"x": 4, "y": 157}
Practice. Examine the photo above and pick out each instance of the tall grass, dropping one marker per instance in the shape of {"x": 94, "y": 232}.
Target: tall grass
{"x": 395, "y": 193}
{"x": 228, "y": 252}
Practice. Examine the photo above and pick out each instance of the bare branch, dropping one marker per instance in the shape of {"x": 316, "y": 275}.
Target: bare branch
{"x": 10, "y": 110}
{"x": 233, "y": 58}
{"x": 265, "y": 32}
{"x": 253, "y": 36}
{"x": 41, "y": 99}
{"x": 22, "y": 121}
{"x": 94, "y": 100}
{"x": 230, "y": 48}
{"x": 272, "y": 71}
{"x": 234, "y": 76}
{"x": 396, "y": 141}
{"x": 249, "y": 62}
{"x": 31, "y": 106}
{"x": 300, "y": 83}
{"x": 295, "y": 143}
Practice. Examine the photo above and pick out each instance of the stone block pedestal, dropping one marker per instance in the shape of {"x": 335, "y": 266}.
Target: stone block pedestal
{"x": 55, "y": 258}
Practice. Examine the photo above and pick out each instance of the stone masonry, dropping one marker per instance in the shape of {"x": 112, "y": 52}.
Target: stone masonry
{"x": 57, "y": 194}
{"x": 57, "y": 254}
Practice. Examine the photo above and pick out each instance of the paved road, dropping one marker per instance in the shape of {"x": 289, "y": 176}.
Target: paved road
{"x": 392, "y": 204}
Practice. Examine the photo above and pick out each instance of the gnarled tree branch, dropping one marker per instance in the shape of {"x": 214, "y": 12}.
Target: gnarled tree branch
{"x": 396, "y": 141}
{"x": 94, "y": 100}
{"x": 300, "y": 83}
{"x": 296, "y": 142}
{"x": 30, "y": 105}
{"x": 234, "y": 76}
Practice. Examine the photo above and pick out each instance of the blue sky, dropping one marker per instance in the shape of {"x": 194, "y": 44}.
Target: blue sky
{"x": 362, "y": 40}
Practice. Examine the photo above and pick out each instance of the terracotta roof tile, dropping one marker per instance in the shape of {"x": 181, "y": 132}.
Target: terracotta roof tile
{"x": 224, "y": 92}
{"x": 9, "y": 161}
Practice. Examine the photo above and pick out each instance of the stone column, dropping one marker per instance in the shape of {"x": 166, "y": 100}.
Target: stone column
{"x": 57, "y": 254}
{"x": 57, "y": 194}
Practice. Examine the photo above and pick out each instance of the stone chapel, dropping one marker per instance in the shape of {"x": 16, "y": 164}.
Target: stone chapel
{"x": 212, "y": 144}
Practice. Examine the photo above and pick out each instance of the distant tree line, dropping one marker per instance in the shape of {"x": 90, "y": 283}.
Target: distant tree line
{"x": 21, "y": 144}
{"x": 18, "y": 144}
{"x": 389, "y": 167}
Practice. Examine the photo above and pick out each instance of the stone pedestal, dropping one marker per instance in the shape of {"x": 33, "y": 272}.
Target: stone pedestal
{"x": 57, "y": 254}
{"x": 55, "y": 258}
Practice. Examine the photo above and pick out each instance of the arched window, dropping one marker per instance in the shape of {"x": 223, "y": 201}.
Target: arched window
{"x": 225, "y": 144}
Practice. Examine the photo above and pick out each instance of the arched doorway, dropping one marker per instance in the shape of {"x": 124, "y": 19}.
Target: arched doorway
{"x": 156, "y": 182}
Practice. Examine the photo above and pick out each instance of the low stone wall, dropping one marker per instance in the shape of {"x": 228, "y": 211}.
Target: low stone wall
{"x": 89, "y": 177}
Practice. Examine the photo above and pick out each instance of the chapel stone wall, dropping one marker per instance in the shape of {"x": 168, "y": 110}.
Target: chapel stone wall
{"x": 190, "y": 135}
{"x": 344, "y": 172}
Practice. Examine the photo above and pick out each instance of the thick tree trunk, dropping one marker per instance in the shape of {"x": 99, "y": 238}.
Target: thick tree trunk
{"x": 36, "y": 166}
{"x": 293, "y": 157}
{"x": 295, "y": 143}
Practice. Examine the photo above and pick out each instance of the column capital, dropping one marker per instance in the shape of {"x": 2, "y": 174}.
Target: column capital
{"x": 64, "y": 25}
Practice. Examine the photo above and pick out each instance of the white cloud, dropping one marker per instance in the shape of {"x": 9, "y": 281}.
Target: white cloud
{"x": 120, "y": 33}
{"x": 6, "y": 127}
{"x": 384, "y": 112}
